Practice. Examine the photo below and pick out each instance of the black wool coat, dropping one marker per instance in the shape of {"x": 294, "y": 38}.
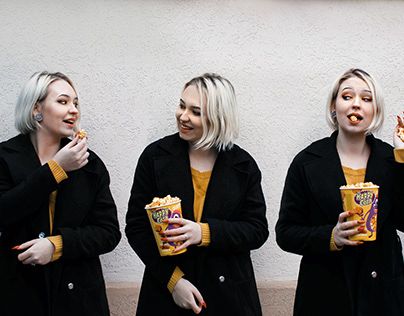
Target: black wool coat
{"x": 235, "y": 211}
{"x": 85, "y": 216}
{"x": 364, "y": 280}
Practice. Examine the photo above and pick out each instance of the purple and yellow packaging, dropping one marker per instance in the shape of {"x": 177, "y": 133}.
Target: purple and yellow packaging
{"x": 159, "y": 210}
{"x": 361, "y": 200}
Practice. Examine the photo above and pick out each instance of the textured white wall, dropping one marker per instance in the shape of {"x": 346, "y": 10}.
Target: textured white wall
{"x": 129, "y": 60}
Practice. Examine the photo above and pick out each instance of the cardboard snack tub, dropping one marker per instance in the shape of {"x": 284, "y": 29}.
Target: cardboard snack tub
{"x": 361, "y": 200}
{"x": 159, "y": 210}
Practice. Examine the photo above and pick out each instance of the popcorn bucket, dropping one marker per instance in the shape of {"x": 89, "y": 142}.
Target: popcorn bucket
{"x": 361, "y": 200}
{"x": 159, "y": 210}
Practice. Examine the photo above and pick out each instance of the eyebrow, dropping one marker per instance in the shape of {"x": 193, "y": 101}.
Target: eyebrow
{"x": 193, "y": 106}
{"x": 350, "y": 88}
{"x": 67, "y": 96}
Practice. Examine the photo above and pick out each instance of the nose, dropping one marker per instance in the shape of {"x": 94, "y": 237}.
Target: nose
{"x": 73, "y": 109}
{"x": 356, "y": 102}
{"x": 184, "y": 116}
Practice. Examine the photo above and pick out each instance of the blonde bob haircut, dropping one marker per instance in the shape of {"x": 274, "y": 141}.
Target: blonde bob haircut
{"x": 219, "y": 116}
{"x": 377, "y": 99}
{"x": 34, "y": 92}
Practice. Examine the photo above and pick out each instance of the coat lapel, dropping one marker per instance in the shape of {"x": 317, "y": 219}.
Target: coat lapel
{"x": 173, "y": 174}
{"x": 325, "y": 176}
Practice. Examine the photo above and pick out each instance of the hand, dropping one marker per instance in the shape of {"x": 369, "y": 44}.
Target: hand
{"x": 344, "y": 229}
{"x": 398, "y": 143}
{"x": 190, "y": 233}
{"x": 39, "y": 251}
{"x": 74, "y": 155}
{"x": 184, "y": 295}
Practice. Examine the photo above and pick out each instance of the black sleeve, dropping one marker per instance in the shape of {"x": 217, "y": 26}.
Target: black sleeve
{"x": 27, "y": 196}
{"x": 100, "y": 232}
{"x": 250, "y": 229}
{"x": 138, "y": 229}
{"x": 294, "y": 230}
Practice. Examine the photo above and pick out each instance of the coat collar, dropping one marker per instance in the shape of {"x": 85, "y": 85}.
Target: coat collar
{"x": 173, "y": 174}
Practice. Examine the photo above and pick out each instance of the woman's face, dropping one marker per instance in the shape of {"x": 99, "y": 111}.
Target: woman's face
{"x": 59, "y": 110}
{"x": 354, "y": 106}
{"x": 188, "y": 114}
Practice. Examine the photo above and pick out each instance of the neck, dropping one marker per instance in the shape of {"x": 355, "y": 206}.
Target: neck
{"x": 45, "y": 146}
{"x": 202, "y": 160}
{"x": 353, "y": 150}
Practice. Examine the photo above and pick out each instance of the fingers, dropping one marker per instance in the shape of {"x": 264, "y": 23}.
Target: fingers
{"x": 342, "y": 216}
{"x": 199, "y": 298}
{"x": 27, "y": 244}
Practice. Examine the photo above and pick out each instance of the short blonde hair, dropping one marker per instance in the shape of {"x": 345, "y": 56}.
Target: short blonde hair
{"x": 377, "y": 98}
{"x": 219, "y": 118}
{"x": 33, "y": 92}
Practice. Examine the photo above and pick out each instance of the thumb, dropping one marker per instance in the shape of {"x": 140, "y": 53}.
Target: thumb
{"x": 73, "y": 142}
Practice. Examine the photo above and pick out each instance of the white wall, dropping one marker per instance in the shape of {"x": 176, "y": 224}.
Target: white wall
{"x": 129, "y": 60}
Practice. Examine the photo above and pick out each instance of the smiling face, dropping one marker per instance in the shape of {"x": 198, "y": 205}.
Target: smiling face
{"x": 354, "y": 106}
{"x": 59, "y": 110}
{"x": 188, "y": 115}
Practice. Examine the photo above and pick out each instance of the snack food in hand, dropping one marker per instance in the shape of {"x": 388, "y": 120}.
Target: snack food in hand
{"x": 159, "y": 210}
{"x": 361, "y": 200}
{"x": 81, "y": 134}
{"x": 400, "y": 128}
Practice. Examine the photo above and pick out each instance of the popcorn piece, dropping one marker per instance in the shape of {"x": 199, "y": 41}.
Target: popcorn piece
{"x": 353, "y": 118}
{"x": 359, "y": 185}
{"x": 81, "y": 134}
{"x": 167, "y": 200}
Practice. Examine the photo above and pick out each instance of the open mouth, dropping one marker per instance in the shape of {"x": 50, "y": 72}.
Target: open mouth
{"x": 70, "y": 121}
{"x": 355, "y": 117}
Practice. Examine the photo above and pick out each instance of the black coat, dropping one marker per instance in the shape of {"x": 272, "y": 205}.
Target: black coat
{"x": 363, "y": 280}
{"x": 235, "y": 211}
{"x": 86, "y": 218}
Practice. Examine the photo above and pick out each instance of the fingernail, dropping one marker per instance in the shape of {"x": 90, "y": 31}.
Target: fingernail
{"x": 361, "y": 221}
{"x": 350, "y": 213}
{"x": 16, "y": 247}
{"x": 164, "y": 239}
{"x": 165, "y": 220}
{"x": 359, "y": 243}
{"x": 204, "y": 304}
{"x": 361, "y": 229}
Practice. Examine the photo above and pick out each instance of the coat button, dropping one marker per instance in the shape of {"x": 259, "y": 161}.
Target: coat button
{"x": 374, "y": 274}
{"x": 41, "y": 235}
{"x": 221, "y": 279}
{"x": 70, "y": 286}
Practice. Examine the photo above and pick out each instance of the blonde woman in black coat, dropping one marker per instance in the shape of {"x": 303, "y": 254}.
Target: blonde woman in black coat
{"x": 223, "y": 209}
{"x": 339, "y": 276}
{"x": 57, "y": 214}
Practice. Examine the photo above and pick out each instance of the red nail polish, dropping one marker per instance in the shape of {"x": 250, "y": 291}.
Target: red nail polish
{"x": 16, "y": 247}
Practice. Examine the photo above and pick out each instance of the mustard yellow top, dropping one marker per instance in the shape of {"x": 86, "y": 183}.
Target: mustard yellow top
{"x": 57, "y": 241}
{"x": 200, "y": 181}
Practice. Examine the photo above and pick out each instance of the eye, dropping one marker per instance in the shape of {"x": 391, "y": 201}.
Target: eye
{"x": 367, "y": 99}
{"x": 181, "y": 106}
{"x": 346, "y": 97}
{"x": 64, "y": 102}
{"x": 196, "y": 112}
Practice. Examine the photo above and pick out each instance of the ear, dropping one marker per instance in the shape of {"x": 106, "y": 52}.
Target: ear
{"x": 37, "y": 108}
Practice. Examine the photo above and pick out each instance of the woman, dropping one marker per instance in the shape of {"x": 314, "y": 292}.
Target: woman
{"x": 57, "y": 214}
{"x": 222, "y": 204}
{"x": 339, "y": 276}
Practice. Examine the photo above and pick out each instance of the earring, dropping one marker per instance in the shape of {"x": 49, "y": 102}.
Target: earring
{"x": 334, "y": 115}
{"x": 38, "y": 117}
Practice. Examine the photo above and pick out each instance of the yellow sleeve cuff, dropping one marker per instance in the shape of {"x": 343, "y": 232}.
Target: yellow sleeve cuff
{"x": 205, "y": 235}
{"x": 175, "y": 277}
{"x": 57, "y": 241}
{"x": 399, "y": 155}
{"x": 333, "y": 246}
{"x": 57, "y": 171}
